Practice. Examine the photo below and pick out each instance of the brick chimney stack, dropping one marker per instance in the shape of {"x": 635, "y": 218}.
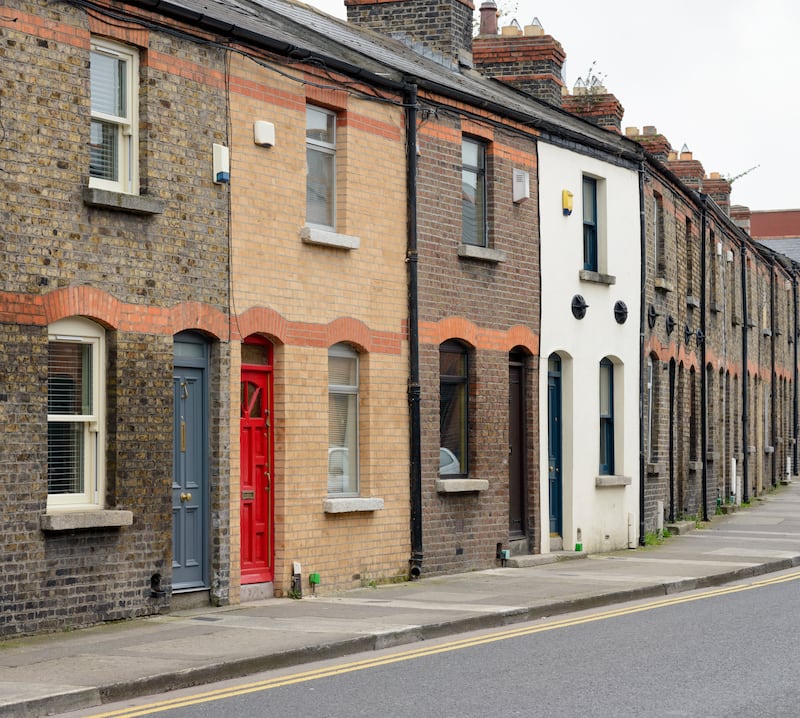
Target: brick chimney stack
{"x": 741, "y": 214}
{"x": 525, "y": 58}
{"x": 719, "y": 189}
{"x": 595, "y": 105}
{"x": 688, "y": 169}
{"x": 651, "y": 141}
{"x": 444, "y": 27}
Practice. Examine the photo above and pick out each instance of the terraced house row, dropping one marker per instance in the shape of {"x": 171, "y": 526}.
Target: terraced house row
{"x": 290, "y": 303}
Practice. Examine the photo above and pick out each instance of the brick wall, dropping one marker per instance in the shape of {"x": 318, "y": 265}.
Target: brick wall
{"x": 492, "y": 307}
{"x": 306, "y": 298}
{"x": 143, "y": 277}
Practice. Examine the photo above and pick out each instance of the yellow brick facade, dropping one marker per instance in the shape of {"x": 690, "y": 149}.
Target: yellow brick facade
{"x": 304, "y": 298}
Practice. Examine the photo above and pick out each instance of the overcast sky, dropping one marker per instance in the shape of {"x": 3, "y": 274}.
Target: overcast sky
{"x": 719, "y": 76}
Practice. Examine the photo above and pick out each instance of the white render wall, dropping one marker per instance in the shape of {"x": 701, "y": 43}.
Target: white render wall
{"x": 607, "y": 516}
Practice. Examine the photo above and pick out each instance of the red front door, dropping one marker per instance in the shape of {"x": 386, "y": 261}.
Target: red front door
{"x": 256, "y": 475}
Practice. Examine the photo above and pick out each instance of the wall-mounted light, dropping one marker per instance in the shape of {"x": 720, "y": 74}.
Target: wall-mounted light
{"x": 670, "y": 324}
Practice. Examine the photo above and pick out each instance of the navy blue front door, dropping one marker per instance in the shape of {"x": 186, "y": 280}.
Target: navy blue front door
{"x": 554, "y": 443}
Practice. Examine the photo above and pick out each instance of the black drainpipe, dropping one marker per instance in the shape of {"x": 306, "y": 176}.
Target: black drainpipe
{"x": 642, "y": 280}
{"x": 415, "y": 450}
{"x": 745, "y": 382}
{"x": 773, "y": 377}
{"x": 701, "y": 342}
{"x": 794, "y": 370}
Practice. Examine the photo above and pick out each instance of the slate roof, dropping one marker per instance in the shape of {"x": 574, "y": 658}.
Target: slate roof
{"x": 298, "y": 31}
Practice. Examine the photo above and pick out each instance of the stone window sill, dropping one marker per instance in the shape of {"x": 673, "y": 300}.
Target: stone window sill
{"x": 607, "y": 481}
{"x": 461, "y": 486}
{"x": 664, "y": 285}
{"x": 121, "y": 202}
{"x": 586, "y": 275}
{"x": 484, "y": 254}
{"x": 328, "y": 238}
{"x": 693, "y": 302}
{"x": 77, "y": 520}
{"x": 655, "y": 468}
{"x": 351, "y": 505}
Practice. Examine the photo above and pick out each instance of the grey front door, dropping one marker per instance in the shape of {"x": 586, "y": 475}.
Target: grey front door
{"x": 190, "y": 460}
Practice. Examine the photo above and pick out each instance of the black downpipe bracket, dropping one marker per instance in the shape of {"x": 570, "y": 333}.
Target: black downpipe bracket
{"x": 745, "y": 382}
{"x": 702, "y": 350}
{"x": 415, "y": 449}
{"x": 643, "y": 279}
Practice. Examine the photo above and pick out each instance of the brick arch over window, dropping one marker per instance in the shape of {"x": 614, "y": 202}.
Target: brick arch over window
{"x": 105, "y": 309}
{"x": 479, "y": 337}
{"x": 83, "y": 301}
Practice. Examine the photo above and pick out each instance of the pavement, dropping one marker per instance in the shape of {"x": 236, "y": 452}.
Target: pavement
{"x": 58, "y": 673}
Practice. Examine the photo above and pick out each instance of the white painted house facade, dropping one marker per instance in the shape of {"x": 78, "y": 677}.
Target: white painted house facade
{"x": 589, "y": 371}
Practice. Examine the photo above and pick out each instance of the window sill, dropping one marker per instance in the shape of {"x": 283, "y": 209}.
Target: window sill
{"x": 664, "y": 285}
{"x": 586, "y": 275}
{"x": 606, "y": 481}
{"x": 133, "y": 203}
{"x": 460, "y": 486}
{"x": 351, "y": 505}
{"x": 77, "y": 520}
{"x": 328, "y": 238}
{"x": 484, "y": 254}
{"x": 692, "y": 302}
{"x": 655, "y": 468}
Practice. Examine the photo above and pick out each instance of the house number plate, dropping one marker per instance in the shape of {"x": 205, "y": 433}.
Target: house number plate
{"x": 248, "y": 495}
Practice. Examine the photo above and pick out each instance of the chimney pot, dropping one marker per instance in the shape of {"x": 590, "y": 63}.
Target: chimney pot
{"x": 488, "y": 24}
{"x": 631, "y": 132}
{"x": 649, "y": 130}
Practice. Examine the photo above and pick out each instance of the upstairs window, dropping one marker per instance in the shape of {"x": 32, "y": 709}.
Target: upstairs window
{"x": 342, "y": 421}
{"x": 658, "y": 236}
{"x": 75, "y": 400}
{"x": 590, "y": 224}
{"x": 321, "y": 167}
{"x": 113, "y": 156}
{"x": 473, "y": 193}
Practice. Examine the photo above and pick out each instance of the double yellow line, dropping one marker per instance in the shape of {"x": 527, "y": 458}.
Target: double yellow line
{"x": 421, "y": 652}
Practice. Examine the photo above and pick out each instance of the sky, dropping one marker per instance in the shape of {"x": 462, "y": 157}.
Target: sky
{"x": 721, "y": 77}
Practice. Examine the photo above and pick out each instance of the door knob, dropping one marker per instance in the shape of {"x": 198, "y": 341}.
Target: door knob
{"x": 186, "y": 497}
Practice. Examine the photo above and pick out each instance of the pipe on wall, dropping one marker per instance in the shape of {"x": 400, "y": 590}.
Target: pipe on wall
{"x": 745, "y": 382}
{"x": 773, "y": 419}
{"x": 642, "y": 302}
{"x": 704, "y": 305}
{"x": 415, "y": 449}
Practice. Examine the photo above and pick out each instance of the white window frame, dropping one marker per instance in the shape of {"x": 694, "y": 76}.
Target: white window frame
{"x": 127, "y": 123}
{"x": 351, "y": 480}
{"x": 324, "y": 148}
{"x": 85, "y": 332}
